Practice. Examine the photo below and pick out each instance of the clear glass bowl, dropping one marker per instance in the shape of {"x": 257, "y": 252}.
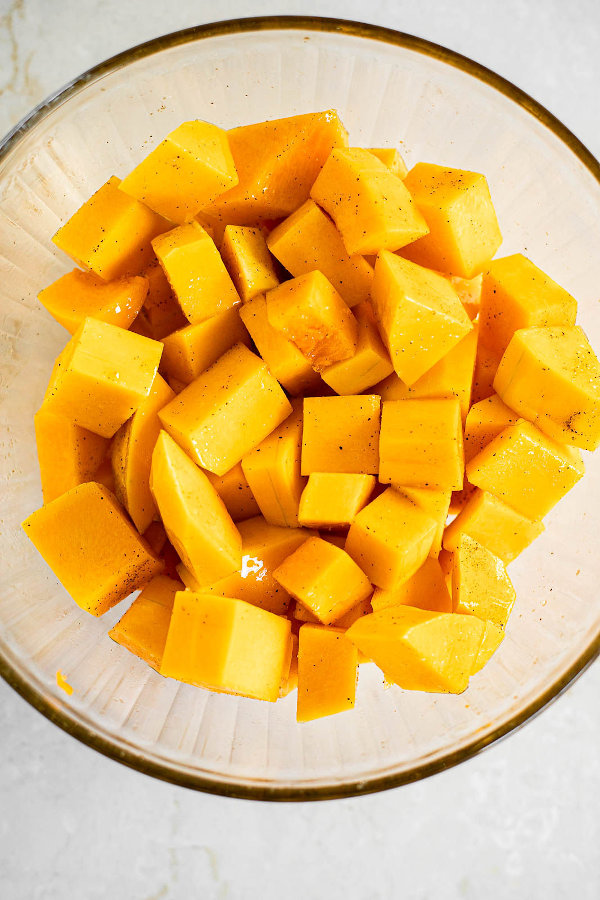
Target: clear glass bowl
{"x": 389, "y": 89}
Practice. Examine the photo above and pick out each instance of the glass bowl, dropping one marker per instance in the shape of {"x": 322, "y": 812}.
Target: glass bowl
{"x": 390, "y": 89}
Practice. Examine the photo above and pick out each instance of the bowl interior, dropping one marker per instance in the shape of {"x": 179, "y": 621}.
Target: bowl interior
{"x": 387, "y": 93}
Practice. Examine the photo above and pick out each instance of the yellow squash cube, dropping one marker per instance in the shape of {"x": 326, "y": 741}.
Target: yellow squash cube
{"x": 77, "y": 295}
{"x": 426, "y": 589}
{"x": 391, "y": 158}
{"x": 341, "y": 434}
{"x": 161, "y": 313}
{"x": 469, "y": 292}
{"x": 192, "y": 349}
{"x": 327, "y": 672}
{"x": 493, "y": 635}
{"x": 369, "y": 364}
{"x": 436, "y": 503}
{"x": 419, "y": 314}
{"x": 485, "y": 421}
{"x": 463, "y": 228}
{"x": 486, "y": 366}
{"x": 235, "y": 492}
{"x": 245, "y": 253}
{"x": 68, "y": 455}
{"x": 480, "y": 584}
{"x": 143, "y": 628}
{"x": 332, "y": 499}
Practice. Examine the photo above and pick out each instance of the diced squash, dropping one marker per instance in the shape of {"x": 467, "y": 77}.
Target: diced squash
{"x": 419, "y": 315}
{"x": 77, "y": 295}
{"x": 190, "y": 168}
{"x": 332, "y": 499}
{"x": 143, "y": 628}
{"x": 289, "y": 681}
{"x": 369, "y": 204}
{"x": 131, "y": 455}
{"x": 463, "y": 228}
{"x": 104, "y": 475}
{"x": 194, "y": 516}
{"x": 273, "y": 471}
{"x": 486, "y": 366}
{"x": 324, "y": 579}
{"x": 68, "y": 455}
{"x": 290, "y": 367}
{"x": 551, "y": 376}
{"x": 309, "y": 312}
{"x": 235, "y": 492}
{"x": 88, "y": 542}
{"x": 341, "y": 434}
{"x": 493, "y": 635}
{"x": 308, "y": 240}
{"x": 361, "y": 609}
{"x": 301, "y": 613}
{"x": 527, "y": 470}
{"x": 226, "y": 645}
{"x": 192, "y": 349}
{"x": 516, "y": 294}
{"x": 196, "y": 272}
{"x": 445, "y": 561}
{"x": 156, "y": 537}
{"x": 426, "y": 589}
{"x": 327, "y": 672}
{"x": 480, "y": 583}
{"x": 420, "y": 650}
{"x": 390, "y": 539}
{"x": 227, "y": 411}
{"x": 489, "y": 521}
{"x": 161, "y": 311}
{"x": 369, "y": 364}
{"x": 102, "y": 376}
{"x": 339, "y": 540}
{"x": 246, "y": 255}
{"x": 391, "y": 158}
{"x": 485, "y": 421}
{"x": 435, "y": 503}
{"x": 469, "y": 292}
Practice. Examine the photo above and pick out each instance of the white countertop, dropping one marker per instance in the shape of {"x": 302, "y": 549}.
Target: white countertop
{"x": 520, "y": 821}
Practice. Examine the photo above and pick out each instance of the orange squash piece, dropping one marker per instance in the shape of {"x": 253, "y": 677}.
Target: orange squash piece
{"x": 436, "y": 503}
{"x": 191, "y": 350}
{"x": 368, "y": 365}
{"x": 341, "y": 434}
{"x": 235, "y": 492}
{"x": 391, "y": 158}
{"x": 143, "y": 628}
{"x": 77, "y": 295}
{"x": 161, "y": 313}
{"x": 332, "y": 499}
{"x": 480, "y": 583}
{"x": 68, "y": 455}
{"x": 327, "y": 672}
{"x": 485, "y": 421}
{"x": 426, "y": 589}
{"x": 246, "y": 255}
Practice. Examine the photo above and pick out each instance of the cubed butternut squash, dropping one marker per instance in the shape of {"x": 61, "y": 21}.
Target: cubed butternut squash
{"x": 485, "y": 421}
{"x": 235, "y": 492}
{"x": 143, "y": 628}
{"x": 191, "y": 350}
{"x": 493, "y": 635}
{"x": 486, "y": 366}
{"x": 436, "y": 503}
{"x": 391, "y": 158}
{"x": 341, "y": 434}
{"x": 369, "y": 364}
{"x": 426, "y": 589}
{"x": 77, "y": 295}
{"x": 161, "y": 313}
{"x": 68, "y": 455}
{"x": 469, "y": 292}
{"x": 246, "y": 255}
{"x": 332, "y": 499}
{"x": 480, "y": 583}
{"x": 327, "y": 672}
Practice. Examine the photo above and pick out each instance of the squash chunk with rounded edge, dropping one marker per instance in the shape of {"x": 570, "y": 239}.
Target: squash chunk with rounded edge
{"x": 369, "y": 364}
{"x": 191, "y": 350}
{"x": 309, "y": 312}
{"x": 226, "y": 645}
{"x": 369, "y": 204}
{"x": 420, "y": 650}
{"x": 131, "y": 455}
{"x": 480, "y": 583}
{"x": 227, "y": 411}
{"x": 273, "y": 471}
{"x": 486, "y": 519}
{"x": 551, "y": 376}
{"x": 436, "y": 503}
{"x": 324, "y": 579}
{"x": 485, "y": 421}
{"x": 419, "y": 315}
{"x": 68, "y": 455}
{"x": 341, "y": 434}
{"x": 102, "y": 376}
{"x": 426, "y": 589}
{"x": 88, "y": 542}
{"x": 332, "y": 499}
{"x": 77, "y": 295}
{"x": 390, "y": 539}
{"x": 161, "y": 314}
{"x": 246, "y": 255}
{"x": 196, "y": 272}
{"x": 327, "y": 672}
{"x": 493, "y": 635}
{"x": 421, "y": 444}
{"x": 143, "y": 628}
{"x": 392, "y": 159}
{"x": 463, "y": 228}
{"x": 527, "y": 470}
{"x": 111, "y": 233}
{"x": 290, "y": 367}
{"x": 235, "y": 492}
{"x": 308, "y": 240}
{"x": 516, "y": 294}
{"x": 194, "y": 516}
{"x": 191, "y": 167}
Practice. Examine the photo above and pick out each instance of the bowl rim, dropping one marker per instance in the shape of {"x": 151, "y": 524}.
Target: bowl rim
{"x": 263, "y": 790}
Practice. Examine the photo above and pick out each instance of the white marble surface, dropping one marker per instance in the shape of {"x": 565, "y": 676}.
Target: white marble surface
{"x": 520, "y": 821}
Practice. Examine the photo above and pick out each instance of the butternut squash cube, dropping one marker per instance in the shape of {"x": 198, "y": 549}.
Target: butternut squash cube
{"x": 361, "y": 609}
{"x": 324, "y": 579}
{"x": 194, "y": 516}
{"x": 426, "y": 589}
{"x": 226, "y": 645}
{"x": 341, "y": 434}
{"x": 143, "y": 628}
{"x": 86, "y": 539}
{"x": 369, "y": 204}
{"x": 290, "y": 367}
{"x": 527, "y": 470}
{"x": 485, "y": 421}
{"x": 103, "y": 375}
{"x": 327, "y": 672}
{"x": 131, "y": 455}
{"x": 480, "y": 583}
{"x": 332, "y": 499}
{"x": 369, "y": 364}
{"x": 191, "y": 167}
{"x": 68, "y": 455}
{"x": 273, "y": 471}
{"x": 308, "y": 240}
{"x": 421, "y": 444}
{"x": 156, "y": 537}
{"x": 235, "y": 492}
{"x": 191, "y": 350}
{"x": 516, "y": 294}
{"x": 493, "y": 635}
{"x": 196, "y": 272}
{"x": 161, "y": 311}
{"x": 390, "y": 539}
{"x": 77, "y": 295}
{"x": 302, "y": 614}
{"x": 469, "y": 292}
{"x": 551, "y": 376}
{"x": 463, "y": 228}
{"x": 246, "y": 255}
{"x": 420, "y": 650}
{"x": 309, "y": 312}
{"x": 227, "y": 411}
{"x": 391, "y": 158}
{"x": 489, "y": 521}
{"x": 419, "y": 315}
{"x": 486, "y": 366}
{"x": 435, "y": 503}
